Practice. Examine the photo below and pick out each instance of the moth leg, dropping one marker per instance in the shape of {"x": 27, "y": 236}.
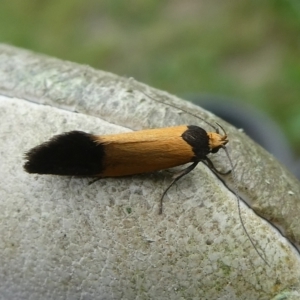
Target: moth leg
{"x": 209, "y": 163}
{"x": 176, "y": 178}
{"x": 94, "y": 180}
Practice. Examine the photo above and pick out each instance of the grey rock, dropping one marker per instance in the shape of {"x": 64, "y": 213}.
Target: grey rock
{"x": 64, "y": 239}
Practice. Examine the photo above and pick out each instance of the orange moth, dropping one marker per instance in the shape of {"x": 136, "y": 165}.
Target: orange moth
{"x": 82, "y": 154}
{"x": 77, "y": 153}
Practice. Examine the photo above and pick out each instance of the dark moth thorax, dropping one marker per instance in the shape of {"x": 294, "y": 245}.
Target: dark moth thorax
{"x": 198, "y": 139}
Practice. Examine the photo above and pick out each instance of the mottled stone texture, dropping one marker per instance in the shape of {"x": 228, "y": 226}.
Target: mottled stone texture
{"x": 64, "y": 239}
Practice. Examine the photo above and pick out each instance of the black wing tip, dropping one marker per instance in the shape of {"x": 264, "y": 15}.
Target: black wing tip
{"x": 71, "y": 153}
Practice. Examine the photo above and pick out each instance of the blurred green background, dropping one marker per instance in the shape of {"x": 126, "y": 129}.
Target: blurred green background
{"x": 246, "y": 50}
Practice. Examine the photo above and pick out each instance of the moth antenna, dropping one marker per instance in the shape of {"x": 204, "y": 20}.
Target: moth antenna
{"x": 174, "y": 106}
{"x": 221, "y": 128}
{"x": 239, "y": 205}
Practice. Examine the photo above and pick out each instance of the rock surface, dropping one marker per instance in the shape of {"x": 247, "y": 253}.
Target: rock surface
{"x": 64, "y": 239}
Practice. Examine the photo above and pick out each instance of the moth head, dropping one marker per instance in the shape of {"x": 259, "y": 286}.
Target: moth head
{"x": 217, "y": 140}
